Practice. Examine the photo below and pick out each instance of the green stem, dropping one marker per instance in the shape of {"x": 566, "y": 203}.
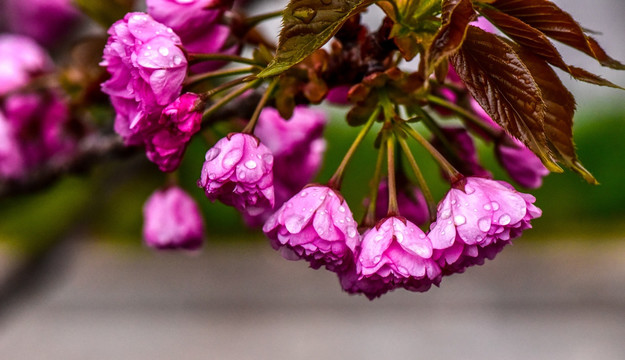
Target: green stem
{"x": 369, "y": 218}
{"x": 252, "y": 21}
{"x": 218, "y": 74}
{"x": 195, "y": 57}
{"x": 225, "y": 86}
{"x": 336, "y": 179}
{"x": 474, "y": 119}
{"x": 436, "y": 130}
{"x": 249, "y": 128}
{"x": 226, "y": 99}
{"x": 393, "y": 208}
{"x": 452, "y": 173}
{"x": 420, "y": 178}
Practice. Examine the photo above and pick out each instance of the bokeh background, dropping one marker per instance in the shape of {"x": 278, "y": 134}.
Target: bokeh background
{"x": 76, "y": 282}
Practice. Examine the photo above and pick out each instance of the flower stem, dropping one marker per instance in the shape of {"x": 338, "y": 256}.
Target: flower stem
{"x": 218, "y": 74}
{"x": 226, "y": 99}
{"x": 368, "y": 220}
{"x": 336, "y": 179}
{"x": 249, "y": 128}
{"x": 196, "y": 57}
{"x": 436, "y": 130}
{"x": 474, "y": 119}
{"x": 225, "y": 86}
{"x": 252, "y": 21}
{"x": 452, "y": 173}
{"x": 420, "y": 179}
{"x": 393, "y": 208}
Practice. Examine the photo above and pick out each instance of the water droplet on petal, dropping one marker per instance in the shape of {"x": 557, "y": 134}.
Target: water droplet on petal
{"x": 250, "y": 164}
{"x": 504, "y": 219}
{"x": 212, "y": 176}
{"x": 241, "y": 174}
{"x": 400, "y": 237}
{"x": 351, "y": 231}
{"x": 459, "y": 220}
{"x": 268, "y": 158}
{"x": 445, "y": 214}
{"x": 212, "y": 153}
{"x": 177, "y": 60}
{"x": 495, "y": 205}
{"x": 163, "y": 51}
{"x": 379, "y": 237}
{"x": 342, "y": 209}
{"x": 377, "y": 259}
{"x": 484, "y": 224}
{"x": 468, "y": 189}
{"x": 487, "y": 207}
{"x": 303, "y": 194}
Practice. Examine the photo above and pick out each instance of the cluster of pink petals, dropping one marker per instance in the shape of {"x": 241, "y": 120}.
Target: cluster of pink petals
{"x": 238, "y": 172}
{"x": 46, "y": 21}
{"x": 181, "y": 119}
{"x": 476, "y": 219}
{"x": 315, "y": 225}
{"x": 297, "y": 146}
{"x": 34, "y": 125}
{"x": 394, "y": 253}
{"x": 172, "y": 220}
{"x": 197, "y": 22}
{"x": 147, "y": 67}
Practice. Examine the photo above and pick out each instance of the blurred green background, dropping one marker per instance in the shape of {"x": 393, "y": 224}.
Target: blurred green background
{"x": 107, "y": 203}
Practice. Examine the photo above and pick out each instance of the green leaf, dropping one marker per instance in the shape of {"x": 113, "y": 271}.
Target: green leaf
{"x": 547, "y": 17}
{"x": 538, "y": 43}
{"x": 306, "y": 26}
{"x": 501, "y": 83}
{"x": 105, "y": 12}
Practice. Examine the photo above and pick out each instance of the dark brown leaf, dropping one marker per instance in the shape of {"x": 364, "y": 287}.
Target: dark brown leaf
{"x": 456, "y": 14}
{"x": 547, "y": 17}
{"x": 501, "y": 83}
{"x": 539, "y": 44}
{"x": 559, "y": 111}
{"x": 306, "y": 26}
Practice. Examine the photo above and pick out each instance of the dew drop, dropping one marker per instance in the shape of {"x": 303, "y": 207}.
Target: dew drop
{"x": 351, "y": 231}
{"x": 163, "y": 51}
{"x": 379, "y": 237}
{"x": 422, "y": 236}
{"x": 250, "y": 164}
{"x": 487, "y": 207}
{"x": 212, "y": 153}
{"x": 303, "y": 194}
{"x": 446, "y": 214}
{"x": 241, "y": 174}
{"x": 495, "y": 205}
{"x": 322, "y": 197}
{"x": 177, "y": 60}
{"x": 400, "y": 237}
{"x": 342, "y": 209}
{"x": 212, "y": 176}
{"x": 484, "y": 224}
{"x": 305, "y": 14}
{"x": 459, "y": 220}
{"x": 377, "y": 259}
{"x": 468, "y": 189}
{"x": 504, "y": 219}
{"x": 268, "y": 158}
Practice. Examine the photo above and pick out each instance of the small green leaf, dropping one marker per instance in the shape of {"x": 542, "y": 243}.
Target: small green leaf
{"x": 306, "y": 26}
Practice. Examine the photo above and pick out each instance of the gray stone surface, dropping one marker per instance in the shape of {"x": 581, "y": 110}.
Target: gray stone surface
{"x": 561, "y": 301}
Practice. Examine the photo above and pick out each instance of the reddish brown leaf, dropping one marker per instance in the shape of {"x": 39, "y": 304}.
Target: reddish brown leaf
{"x": 457, "y": 14}
{"x": 559, "y": 111}
{"x": 547, "y": 17}
{"x": 539, "y": 44}
{"x": 500, "y": 82}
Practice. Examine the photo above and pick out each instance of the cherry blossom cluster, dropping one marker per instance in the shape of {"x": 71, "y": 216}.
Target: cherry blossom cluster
{"x": 168, "y": 71}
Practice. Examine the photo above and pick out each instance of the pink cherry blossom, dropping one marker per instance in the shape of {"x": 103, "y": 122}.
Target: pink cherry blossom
{"x": 238, "y": 172}
{"x": 316, "y": 225}
{"x": 476, "y": 219}
{"x": 178, "y": 122}
{"x": 172, "y": 220}
{"x": 147, "y": 68}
